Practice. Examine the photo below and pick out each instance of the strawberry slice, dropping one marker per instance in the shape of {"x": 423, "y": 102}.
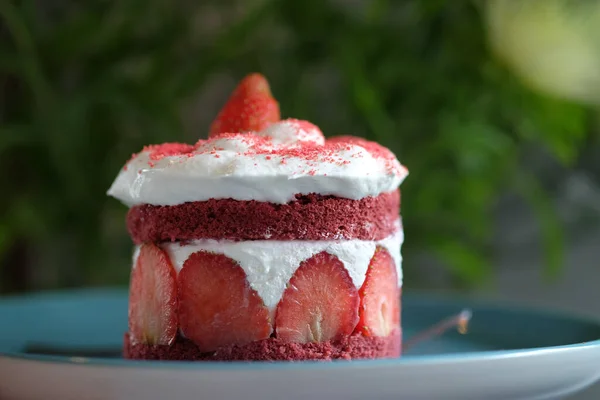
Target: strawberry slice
{"x": 380, "y": 296}
{"x": 153, "y": 298}
{"x": 319, "y": 304}
{"x": 251, "y": 107}
{"x": 217, "y": 306}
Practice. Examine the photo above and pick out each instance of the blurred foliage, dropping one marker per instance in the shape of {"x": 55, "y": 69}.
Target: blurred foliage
{"x": 554, "y": 45}
{"x": 87, "y": 83}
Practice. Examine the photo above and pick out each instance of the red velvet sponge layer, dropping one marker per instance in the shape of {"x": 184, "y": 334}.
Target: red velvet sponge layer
{"x": 348, "y": 348}
{"x": 309, "y": 217}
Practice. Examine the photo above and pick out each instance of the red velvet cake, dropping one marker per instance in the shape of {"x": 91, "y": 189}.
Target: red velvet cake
{"x": 264, "y": 242}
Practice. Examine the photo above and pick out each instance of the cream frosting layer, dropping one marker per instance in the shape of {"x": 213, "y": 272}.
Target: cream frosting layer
{"x": 289, "y": 157}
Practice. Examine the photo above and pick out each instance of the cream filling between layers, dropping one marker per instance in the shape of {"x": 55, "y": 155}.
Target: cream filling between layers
{"x": 269, "y": 264}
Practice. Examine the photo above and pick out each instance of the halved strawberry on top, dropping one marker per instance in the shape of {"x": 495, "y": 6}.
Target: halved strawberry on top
{"x": 319, "y": 304}
{"x": 217, "y": 306}
{"x": 152, "y": 298}
{"x": 380, "y": 296}
{"x": 251, "y": 107}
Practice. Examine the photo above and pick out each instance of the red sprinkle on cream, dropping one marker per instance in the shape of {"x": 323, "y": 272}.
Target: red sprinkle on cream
{"x": 260, "y": 145}
{"x": 160, "y": 151}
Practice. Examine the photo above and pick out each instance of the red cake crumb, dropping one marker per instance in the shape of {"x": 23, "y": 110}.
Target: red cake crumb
{"x": 373, "y": 148}
{"x": 348, "y": 348}
{"x": 250, "y": 139}
{"x": 309, "y": 217}
{"x": 160, "y": 151}
{"x": 259, "y": 145}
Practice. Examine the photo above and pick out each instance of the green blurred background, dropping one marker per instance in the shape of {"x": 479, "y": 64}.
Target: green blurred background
{"x": 480, "y": 99}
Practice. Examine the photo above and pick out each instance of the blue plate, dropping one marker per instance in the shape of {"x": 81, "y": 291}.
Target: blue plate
{"x": 67, "y": 345}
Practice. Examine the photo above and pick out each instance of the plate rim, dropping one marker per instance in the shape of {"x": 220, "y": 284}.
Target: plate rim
{"x": 450, "y": 358}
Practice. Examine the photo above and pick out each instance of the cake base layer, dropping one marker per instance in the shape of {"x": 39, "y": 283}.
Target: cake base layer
{"x": 347, "y": 348}
{"x": 310, "y": 217}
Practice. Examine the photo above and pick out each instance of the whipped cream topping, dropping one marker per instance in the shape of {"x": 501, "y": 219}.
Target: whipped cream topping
{"x": 269, "y": 264}
{"x": 287, "y": 158}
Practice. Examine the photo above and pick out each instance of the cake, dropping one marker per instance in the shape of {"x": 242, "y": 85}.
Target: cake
{"x": 263, "y": 242}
